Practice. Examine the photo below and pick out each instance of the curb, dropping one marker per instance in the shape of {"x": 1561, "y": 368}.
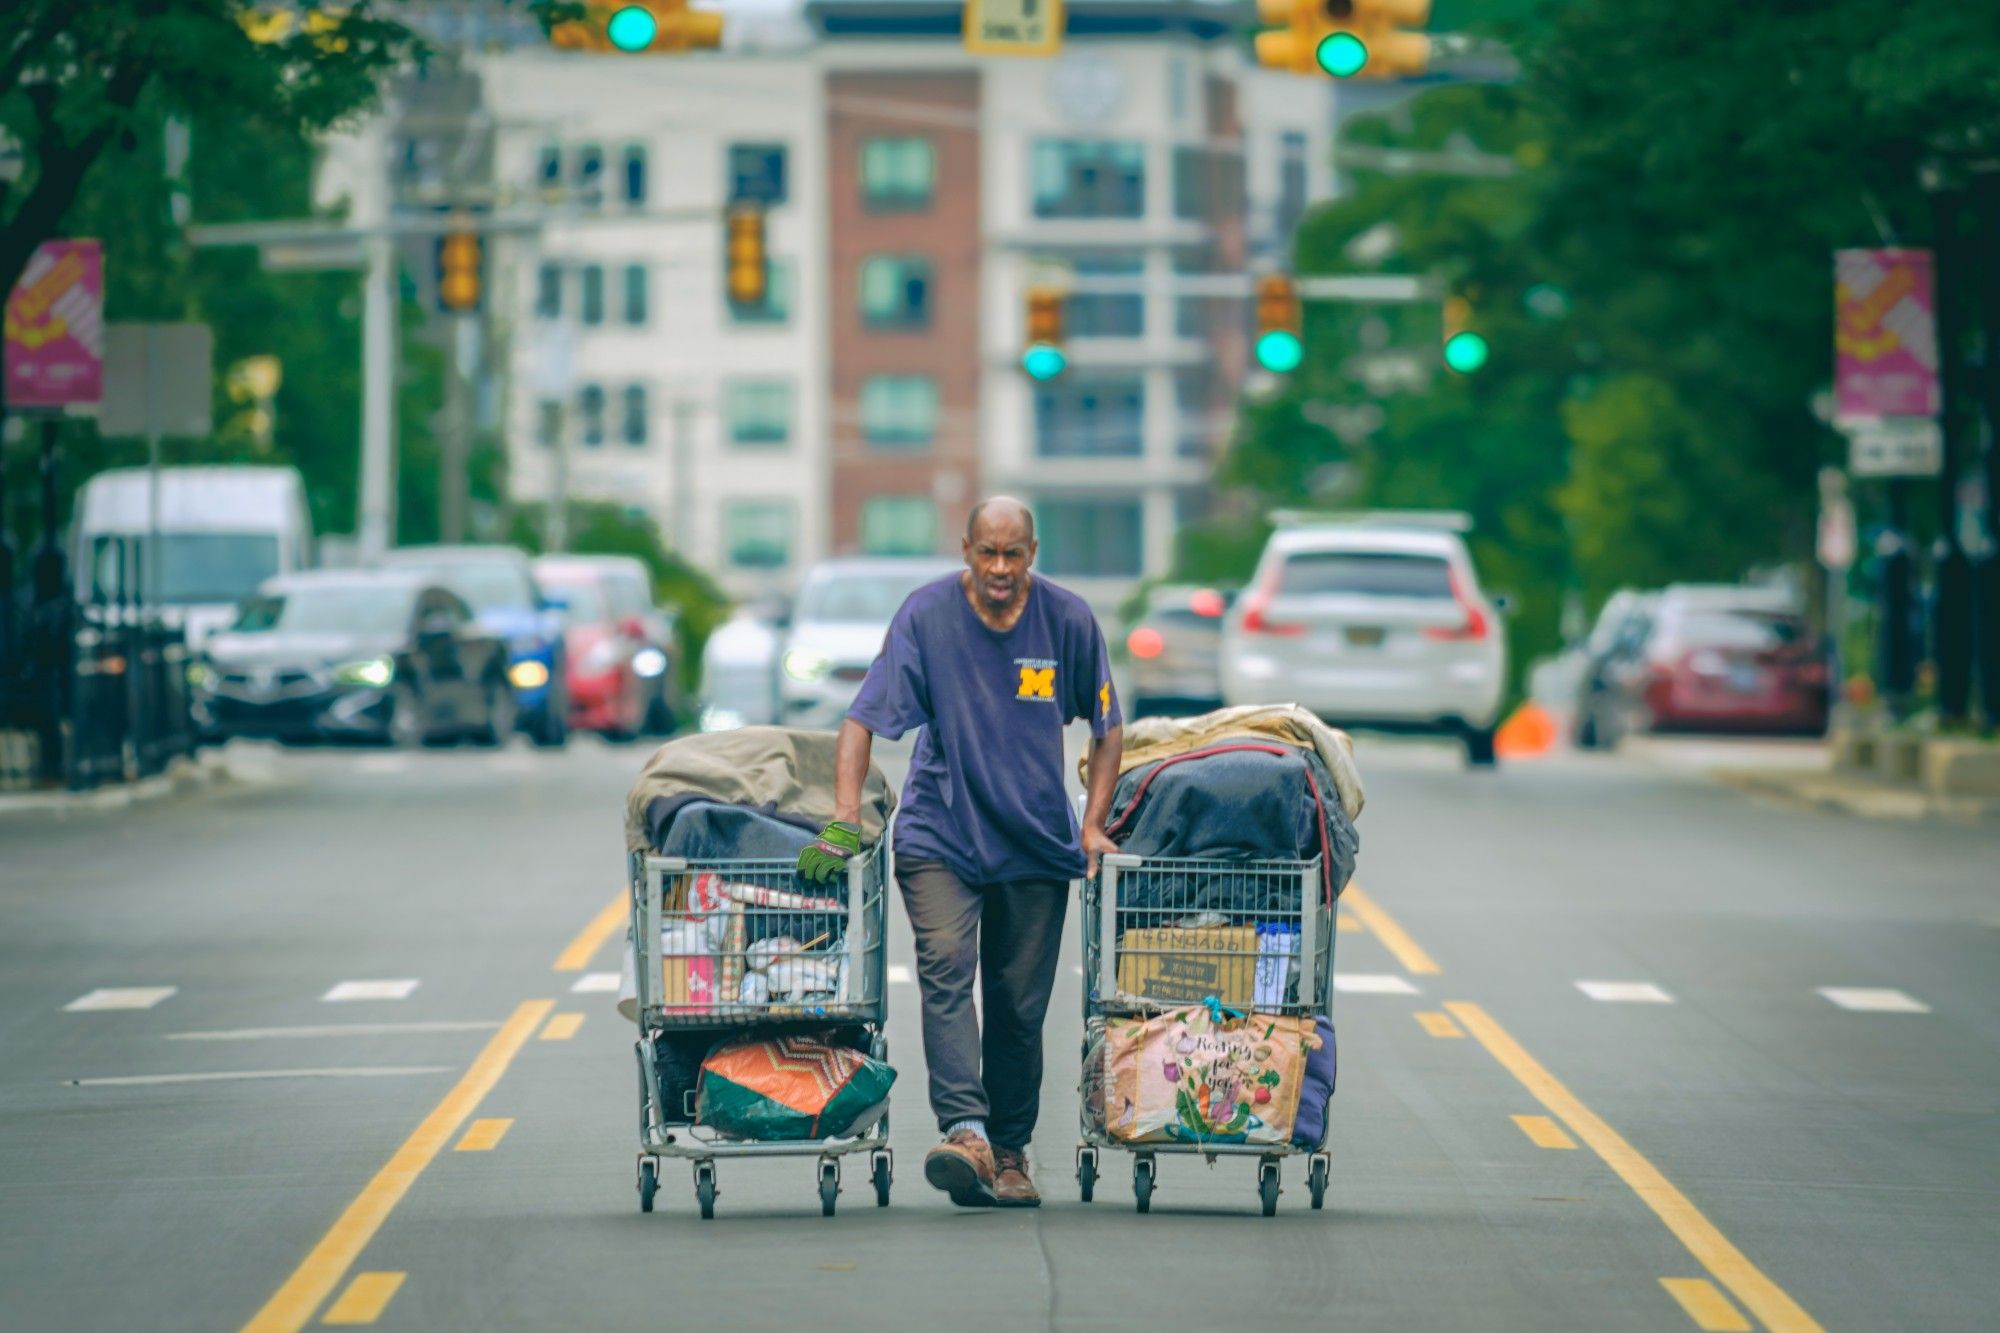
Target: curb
{"x": 182, "y": 776}
{"x": 1868, "y": 800}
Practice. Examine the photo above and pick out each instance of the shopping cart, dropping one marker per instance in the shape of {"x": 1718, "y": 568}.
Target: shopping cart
{"x": 1167, "y": 933}
{"x": 792, "y": 957}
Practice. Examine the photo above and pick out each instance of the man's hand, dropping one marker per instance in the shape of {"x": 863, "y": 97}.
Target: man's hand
{"x": 1096, "y": 842}
{"x": 826, "y": 859}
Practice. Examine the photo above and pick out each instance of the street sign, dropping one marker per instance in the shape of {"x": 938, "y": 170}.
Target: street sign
{"x": 1885, "y": 335}
{"x": 159, "y": 379}
{"x": 1013, "y": 27}
{"x": 55, "y": 328}
{"x": 1895, "y": 447}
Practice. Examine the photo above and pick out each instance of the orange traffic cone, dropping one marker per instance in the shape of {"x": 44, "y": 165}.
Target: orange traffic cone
{"x": 1529, "y": 732}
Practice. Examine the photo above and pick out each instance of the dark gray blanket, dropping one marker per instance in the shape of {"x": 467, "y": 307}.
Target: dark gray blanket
{"x": 708, "y": 831}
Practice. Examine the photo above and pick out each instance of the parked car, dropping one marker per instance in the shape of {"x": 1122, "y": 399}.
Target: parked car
{"x": 836, "y": 629}
{"x": 1173, "y": 650}
{"x": 498, "y": 584}
{"x": 1372, "y": 621}
{"x": 739, "y": 670}
{"x": 357, "y": 655}
{"x": 1714, "y": 659}
{"x": 1616, "y": 638}
{"x": 627, "y": 588}
{"x": 600, "y": 651}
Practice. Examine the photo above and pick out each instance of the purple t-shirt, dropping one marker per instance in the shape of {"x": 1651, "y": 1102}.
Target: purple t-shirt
{"x": 985, "y": 793}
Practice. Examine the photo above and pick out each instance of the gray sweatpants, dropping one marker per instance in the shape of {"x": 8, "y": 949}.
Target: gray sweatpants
{"x": 1011, "y": 934}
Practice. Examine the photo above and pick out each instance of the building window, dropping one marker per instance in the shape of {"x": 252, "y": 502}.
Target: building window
{"x": 635, "y": 175}
{"x": 759, "y": 412}
{"x": 757, "y": 173}
{"x": 548, "y": 422}
{"x": 591, "y": 302}
{"x": 590, "y": 407}
{"x": 1191, "y": 313}
{"x": 1091, "y": 417}
{"x": 635, "y": 293}
{"x": 590, "y": 175}
{"x": 777, "y": 307}
{"x": 899, "y": 411}
{"x": 548, "y": 292}
{"x": 899, "y": 525}
{"x": 1083, "y": 178}
{"x": 632, "y": 423}
{"x": 549, "y": 169}
{"x": 898, "y": 175}
{"x": 896, "y": 292}
{"x": 1106, "y": 314}
{"x": 1194, "y": 391}
{"x": 757, "y": 534}
{"x": 1091, "y": 538}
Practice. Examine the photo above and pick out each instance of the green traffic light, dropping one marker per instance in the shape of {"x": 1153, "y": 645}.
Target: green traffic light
{"x": 1280, "y": 351}
{"x": 1342, "y": 55}
{"x": 1465, "y": 352}
{"x": 632, "y": 28}
{"x": 1043, "y": 361}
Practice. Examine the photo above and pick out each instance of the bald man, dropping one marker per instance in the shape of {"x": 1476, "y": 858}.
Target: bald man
{"x": 992, "y": 663}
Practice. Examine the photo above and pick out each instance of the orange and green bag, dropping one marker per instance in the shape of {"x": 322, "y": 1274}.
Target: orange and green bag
{"x": 791, "y": 1087}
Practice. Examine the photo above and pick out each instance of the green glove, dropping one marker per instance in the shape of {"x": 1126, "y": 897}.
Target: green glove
{"x": 826, "y": 859}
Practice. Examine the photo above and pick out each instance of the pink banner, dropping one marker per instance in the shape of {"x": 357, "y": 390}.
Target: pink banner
{"x": 1885, "y": 334}
{"x": 55, "y": 328}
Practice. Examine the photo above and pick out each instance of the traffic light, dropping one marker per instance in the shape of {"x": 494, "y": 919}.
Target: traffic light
{"x": 749, "y": 267}
{"x": 461, "y": 262}
{"x": 1043, "y": 357}
{"x": 1465, "y": 349}
{"x": 1344, "y": 38}
{"x": 655, "y": 26}
{"x": 1279, "y": 348}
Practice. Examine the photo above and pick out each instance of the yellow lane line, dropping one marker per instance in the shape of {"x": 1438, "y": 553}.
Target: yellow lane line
{"x": 293, "y": 1304}
{"x": 562, "y": 1027}
{"x": 1724, "y": 1262}
{"x": 365, "y": 1298}
{"x": 1408, "y": 952}
{"x": 591, "y": 938}
{"x": 1709, "y": 1308}
{"x": 1544, "y": 1132}
{"x": 485, "y": 1134}
{"x": 1440, "y": 1025}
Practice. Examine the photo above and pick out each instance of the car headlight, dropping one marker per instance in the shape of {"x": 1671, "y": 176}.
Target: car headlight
{"x": 199, "y": 675}
{"x": 649, "y": 662}
{"x": 375, "y": 671}
{"x": 803, "y": 664}
{"x": 529, "y": 675}
{"x": 601, "y": 657}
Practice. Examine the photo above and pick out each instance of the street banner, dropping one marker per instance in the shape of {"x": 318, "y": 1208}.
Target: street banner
{"x": 55, "y": 329}
{"x": 1013, "y": 27}
{"x": 1885, "y": 335}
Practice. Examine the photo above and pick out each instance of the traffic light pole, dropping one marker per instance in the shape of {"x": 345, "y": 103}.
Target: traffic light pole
{"x": 454, "y": 481}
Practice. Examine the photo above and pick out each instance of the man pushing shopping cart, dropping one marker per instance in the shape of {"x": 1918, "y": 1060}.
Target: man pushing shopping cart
{"x": 992, "y": 663}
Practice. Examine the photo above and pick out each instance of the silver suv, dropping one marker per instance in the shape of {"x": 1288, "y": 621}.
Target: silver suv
{"x": 1372, "y": 621}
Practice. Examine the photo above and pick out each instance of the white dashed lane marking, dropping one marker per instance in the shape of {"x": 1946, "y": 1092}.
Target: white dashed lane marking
{"x": 120, "y": 997}
{"x": 330, "y": 1030}
{"x": 1625, "y": 992}
{"x": 1371, "y": 983}
{"x": 1878, "y": 1000}
{"x": 369, "y": 990}
{"x": 591, "y": 982}
{"x": 226, "y": 1076}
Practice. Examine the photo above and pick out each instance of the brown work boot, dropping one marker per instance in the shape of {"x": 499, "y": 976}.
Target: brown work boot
{"x": 1011, "y": 1183}
{"x": 962, "y": 1166}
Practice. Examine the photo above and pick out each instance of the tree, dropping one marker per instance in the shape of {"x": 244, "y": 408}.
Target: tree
{"x": 83, "y": 75}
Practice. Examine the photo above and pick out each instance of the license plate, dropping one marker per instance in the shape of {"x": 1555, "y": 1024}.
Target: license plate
{"x": 1745, "y": 679}
{"x": 1365, "y": 636}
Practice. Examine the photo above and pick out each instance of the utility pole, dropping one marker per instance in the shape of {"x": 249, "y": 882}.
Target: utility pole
{"x": 456, "y": 460}
{"x": 377, "y": 528}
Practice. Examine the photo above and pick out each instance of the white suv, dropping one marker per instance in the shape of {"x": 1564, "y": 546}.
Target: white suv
{"x": 1374, "y": 621}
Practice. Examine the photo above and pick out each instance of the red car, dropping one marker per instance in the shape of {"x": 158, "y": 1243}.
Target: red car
{"x": 1727, "y": 668}
{"x": 608, "y": 694}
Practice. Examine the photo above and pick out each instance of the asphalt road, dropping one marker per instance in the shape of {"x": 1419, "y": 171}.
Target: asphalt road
{"x": 1735, "y": 1151}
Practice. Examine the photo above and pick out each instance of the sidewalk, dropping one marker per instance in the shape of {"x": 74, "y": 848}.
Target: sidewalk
{"x": 207, "y": 771}
{"x": 1857, "y": 794}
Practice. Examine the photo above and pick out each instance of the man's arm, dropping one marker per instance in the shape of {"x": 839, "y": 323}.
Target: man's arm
{"x": 850, "y": 770}
{"x": 1102, "y": 776}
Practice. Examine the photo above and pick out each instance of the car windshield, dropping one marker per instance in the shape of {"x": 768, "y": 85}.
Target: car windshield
{"x": 194, "y": 567}
{"x": 1754, "y": 631}
{"x": 1366, "y": 574}
{"x": 867, "y": 599}
{"x": 376, "y": 610}
{"x": 585, "y": 598}
{"x": 486, "y": 585}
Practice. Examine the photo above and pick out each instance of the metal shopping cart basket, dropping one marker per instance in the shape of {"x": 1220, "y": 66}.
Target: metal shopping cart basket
{"x": 793, "y": 957}
{"x": 1167, "y": 933}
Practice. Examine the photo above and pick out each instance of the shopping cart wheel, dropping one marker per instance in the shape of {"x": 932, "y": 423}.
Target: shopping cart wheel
{"x": 1086, "y": 1173}
{"x": 649, "y": 1185}
{"x": 1267, "y": 1187}
{"x": 704, "y": 1190}
{"x": 1142, "y": 1183}
{"x": 881, "y": 1171}
{"x": 829, "y": 1187}
{"x": 1316, "y": 1179}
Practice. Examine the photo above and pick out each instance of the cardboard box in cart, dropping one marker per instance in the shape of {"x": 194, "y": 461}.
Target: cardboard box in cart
{"x": 1183, "y": 965}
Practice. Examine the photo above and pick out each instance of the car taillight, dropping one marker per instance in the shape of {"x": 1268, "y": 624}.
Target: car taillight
{"x": 1207, "y": 602}
{"x": 1145, "y": 643}
{"x": 1472, "y": 628}
{"x": 1256, "y": 622}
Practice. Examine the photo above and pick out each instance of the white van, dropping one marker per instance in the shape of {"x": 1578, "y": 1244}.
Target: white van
{"x": 223, "y": 531}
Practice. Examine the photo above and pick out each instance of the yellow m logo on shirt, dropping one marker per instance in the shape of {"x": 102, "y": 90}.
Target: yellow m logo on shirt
{"x": 1037, "y": 683}
{"x": 1104, "y": 699}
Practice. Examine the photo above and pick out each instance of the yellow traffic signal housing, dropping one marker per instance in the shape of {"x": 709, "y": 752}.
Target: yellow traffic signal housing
{"x": 674, "y": 27}
{"x": 1277, "y": 304}
{"x": 749, "y": 266}
{"x": 1345, "y": 38}
{"x": 1303, "y": 24}
{"x": 1392, "y": 52}
{"x": 461, "y": 261}
{"x": 1045, "y": 315}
